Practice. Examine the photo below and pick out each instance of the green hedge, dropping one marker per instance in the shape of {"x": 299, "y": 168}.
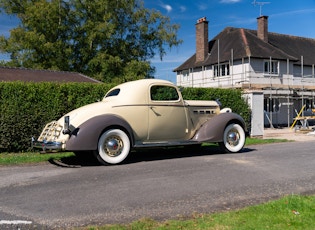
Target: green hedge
{"x": 231, "y": 98}
{"x": 27, "y": 107}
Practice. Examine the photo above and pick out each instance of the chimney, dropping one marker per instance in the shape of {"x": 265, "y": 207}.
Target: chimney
{"x": 262, "y": 30}
{"x": 202, "y": 43}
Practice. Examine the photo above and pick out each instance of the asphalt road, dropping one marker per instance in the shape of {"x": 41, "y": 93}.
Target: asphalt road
{"x": 158, "y": 184}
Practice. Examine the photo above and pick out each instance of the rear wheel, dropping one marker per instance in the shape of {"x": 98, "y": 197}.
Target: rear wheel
{"x": 233, "y": 138}
{"x": 113, "y": 147}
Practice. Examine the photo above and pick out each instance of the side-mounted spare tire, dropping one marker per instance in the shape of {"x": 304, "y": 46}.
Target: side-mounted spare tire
{"x": 233, "y": 138}
{"x": 113, "y": 147}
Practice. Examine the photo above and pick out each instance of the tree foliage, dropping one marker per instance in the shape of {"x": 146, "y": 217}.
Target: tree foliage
{"x": 111, "y": 41}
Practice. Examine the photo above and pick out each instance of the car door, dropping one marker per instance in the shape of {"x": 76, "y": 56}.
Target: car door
{"x": 167, "y": 114}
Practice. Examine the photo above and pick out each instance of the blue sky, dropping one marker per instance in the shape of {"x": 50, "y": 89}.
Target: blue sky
{"x": 290, "y": 17}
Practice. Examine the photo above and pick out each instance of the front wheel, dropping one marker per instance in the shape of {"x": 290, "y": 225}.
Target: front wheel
{"x": 233, "y": 138}
{"x": 113, "y": 147}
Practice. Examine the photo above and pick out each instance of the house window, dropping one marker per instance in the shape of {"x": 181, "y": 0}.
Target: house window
{"x": 185, "y": 73}
{"x": 221, "y": 70}
{"x": 271, "y": 105}
{"x": 216, "y": 71}
{"x": 271, "y": 67}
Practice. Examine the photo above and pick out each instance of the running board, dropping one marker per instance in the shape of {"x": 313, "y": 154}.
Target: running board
{"x": 165, "y": 144}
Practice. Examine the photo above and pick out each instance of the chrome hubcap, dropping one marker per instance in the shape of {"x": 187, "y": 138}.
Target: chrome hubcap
{"x": 113, "y": 146}
{"x": 233, "y": 138}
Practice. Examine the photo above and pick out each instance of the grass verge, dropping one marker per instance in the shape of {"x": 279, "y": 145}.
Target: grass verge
{"x": 290, "y": 212}
{"x": 30, "y": 158}
{"x": 258, "y": 141}
{"x": 36, "y": 157}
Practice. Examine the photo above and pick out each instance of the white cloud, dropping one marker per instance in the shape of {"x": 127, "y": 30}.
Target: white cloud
{"x": 182, "y": 9}
{"x": 303, "y": 11}
{"x": 167, "y": 7}
{"x": 230, "y": 1}
{"x": 202, "y": 6}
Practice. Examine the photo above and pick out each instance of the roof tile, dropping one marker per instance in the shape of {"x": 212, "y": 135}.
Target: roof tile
{"x": 244, "y": 43}
{"x": 30, "y": 75}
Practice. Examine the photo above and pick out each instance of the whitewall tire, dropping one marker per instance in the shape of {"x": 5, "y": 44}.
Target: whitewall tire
{"x": 233, "y": 138}
{"x": 113, "y": 147}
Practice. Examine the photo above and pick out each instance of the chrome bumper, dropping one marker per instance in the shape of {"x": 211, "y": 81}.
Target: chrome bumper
{"x": 47, "y": 146}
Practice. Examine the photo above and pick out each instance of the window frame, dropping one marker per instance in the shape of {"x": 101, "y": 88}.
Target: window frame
{"x": 221, "y": 70}
{"x": 272, "y": 105}
{"x": 171, "y": 99}
{"x": 274, "y": 70}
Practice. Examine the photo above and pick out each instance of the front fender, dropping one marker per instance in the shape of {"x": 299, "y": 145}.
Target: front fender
{"x": 213, "y": 129}
{"x": 85, "y": 136}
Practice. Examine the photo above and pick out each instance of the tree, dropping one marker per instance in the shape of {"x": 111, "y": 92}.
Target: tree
{"x": 112, "y": 41}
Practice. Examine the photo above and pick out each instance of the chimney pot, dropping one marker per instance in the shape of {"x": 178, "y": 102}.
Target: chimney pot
{"x": 202, "y": 20}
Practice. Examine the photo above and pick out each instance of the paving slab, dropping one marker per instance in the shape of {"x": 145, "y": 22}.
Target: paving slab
{"x": 290, "y": 134}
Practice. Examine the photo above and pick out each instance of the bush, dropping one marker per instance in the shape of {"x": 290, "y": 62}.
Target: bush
{"x": 27, "y": 107}
{"x": 231, "y": 98}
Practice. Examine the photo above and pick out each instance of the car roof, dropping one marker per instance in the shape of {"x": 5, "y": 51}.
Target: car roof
{"x": 144, "y": 82}
{"x": 136, "y": 91}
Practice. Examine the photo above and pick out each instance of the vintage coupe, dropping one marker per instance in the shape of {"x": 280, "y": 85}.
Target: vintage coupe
{"x": 139, "y": 114}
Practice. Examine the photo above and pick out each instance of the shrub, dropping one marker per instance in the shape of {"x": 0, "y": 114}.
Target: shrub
{"x": 27, "y": 107}
{"x": 231, "y": 98}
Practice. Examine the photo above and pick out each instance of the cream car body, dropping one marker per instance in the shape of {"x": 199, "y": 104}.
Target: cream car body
{"x": 143, "y": 113}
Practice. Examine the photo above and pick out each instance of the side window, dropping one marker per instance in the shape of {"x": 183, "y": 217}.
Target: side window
{"x": 163, "y": 93}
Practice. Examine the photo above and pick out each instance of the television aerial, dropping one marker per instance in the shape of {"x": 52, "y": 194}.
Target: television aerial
{"x": 260, "y": 4}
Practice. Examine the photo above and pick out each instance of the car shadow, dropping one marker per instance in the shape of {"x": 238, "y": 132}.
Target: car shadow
{"x": 175, "y": 153}
{"x": 145, "y": 155}
{"x": 75, "y": 161}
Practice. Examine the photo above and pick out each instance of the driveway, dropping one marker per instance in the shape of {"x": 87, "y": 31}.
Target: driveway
{"x": 159, "y": 184}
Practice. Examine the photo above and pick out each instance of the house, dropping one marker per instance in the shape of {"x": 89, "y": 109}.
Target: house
{"x": 8, "y": 74}
{"x": 275, "y": 71}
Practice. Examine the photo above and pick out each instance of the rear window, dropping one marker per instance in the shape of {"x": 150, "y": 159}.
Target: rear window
{"x": 112, "y": 93}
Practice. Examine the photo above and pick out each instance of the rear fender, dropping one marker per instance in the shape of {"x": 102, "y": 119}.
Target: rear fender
{"x": 85, "y": 136}
{"x": 213, "y": 129}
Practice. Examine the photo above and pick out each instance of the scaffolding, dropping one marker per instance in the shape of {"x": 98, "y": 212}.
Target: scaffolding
{"x": 285, "y": 89}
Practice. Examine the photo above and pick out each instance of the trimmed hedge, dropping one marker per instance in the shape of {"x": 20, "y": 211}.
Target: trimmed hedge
{"x": 230, "y": 98}
{"x": 27, "y": 107}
